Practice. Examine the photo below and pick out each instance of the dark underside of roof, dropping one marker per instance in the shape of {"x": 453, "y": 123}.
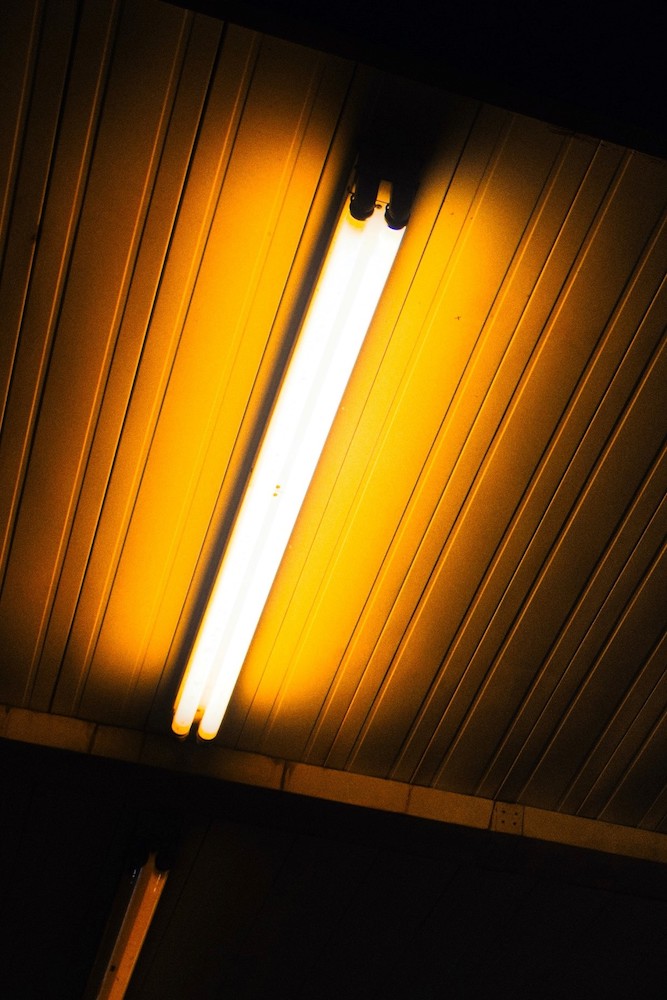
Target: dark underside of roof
{"x": 277, "y": 895}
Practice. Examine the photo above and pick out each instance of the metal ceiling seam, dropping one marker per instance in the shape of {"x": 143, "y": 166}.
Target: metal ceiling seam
{"x": 521, "y": 731}
{"x": 624, "y": 717}
{"x": 535, "y": 589}
{"x": 142, "y": 641}
{"x": 281, "y": 243}
{"x": 358, "y": 790}
{"x": 26, "y": 215}
{"x": 480, "y": 186}
{"x": 573, "y": 273}
{"x": 396, "y": 771}
{"x": 494, "y": 312}
{"x": 414, "y": 348}
{"x": 649, "y": 688}
{"x": 156, "y": 364}
{"x": 121, "y": 380}
{"x": 47, "y": 667}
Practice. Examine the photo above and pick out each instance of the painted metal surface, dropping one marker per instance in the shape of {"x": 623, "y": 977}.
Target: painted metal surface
{"x": 473, "y": 598}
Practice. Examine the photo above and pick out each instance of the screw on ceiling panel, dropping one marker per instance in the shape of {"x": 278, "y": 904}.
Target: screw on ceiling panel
{"x": 507, "y": 817}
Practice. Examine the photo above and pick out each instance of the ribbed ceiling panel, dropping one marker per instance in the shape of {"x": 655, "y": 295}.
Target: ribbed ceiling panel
{"x": 173, "y": 203}
{"x": 473, "y": 598}
{"x": 477, "y": 607}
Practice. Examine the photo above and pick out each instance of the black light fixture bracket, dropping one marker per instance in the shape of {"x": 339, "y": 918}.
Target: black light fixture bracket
{"x": 394, "y": 148}
{"x": 366, "y": 193}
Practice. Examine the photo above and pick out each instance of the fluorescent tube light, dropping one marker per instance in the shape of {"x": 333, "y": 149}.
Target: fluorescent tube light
{"x": 344, "y": 301}
{"x": 146, "y": 892}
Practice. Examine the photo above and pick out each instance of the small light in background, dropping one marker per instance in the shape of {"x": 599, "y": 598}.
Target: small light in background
{"x": 145, "y": 896}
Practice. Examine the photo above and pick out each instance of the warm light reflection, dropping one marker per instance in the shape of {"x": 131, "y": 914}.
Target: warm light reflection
{"x": 345, "y": 298}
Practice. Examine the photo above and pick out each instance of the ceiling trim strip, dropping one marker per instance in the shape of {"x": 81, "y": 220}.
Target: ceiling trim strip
{"x": 132, "y": 746}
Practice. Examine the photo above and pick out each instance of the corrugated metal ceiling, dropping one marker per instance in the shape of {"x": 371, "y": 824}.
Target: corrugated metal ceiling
{"x": 474, "y": 595}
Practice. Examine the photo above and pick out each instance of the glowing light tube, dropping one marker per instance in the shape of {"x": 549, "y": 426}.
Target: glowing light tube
{"x": 345, "y": 297}
{"x": 136, "y": 921}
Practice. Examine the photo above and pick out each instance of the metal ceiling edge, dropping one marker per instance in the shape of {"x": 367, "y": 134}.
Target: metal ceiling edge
{"x": 344, "y": 787}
